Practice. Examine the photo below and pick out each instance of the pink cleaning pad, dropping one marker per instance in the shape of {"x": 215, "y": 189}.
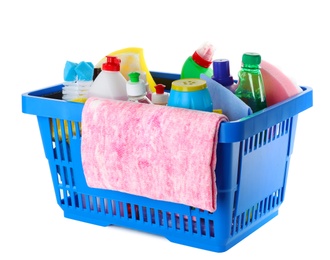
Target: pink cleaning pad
{"x": 278, "y": 86}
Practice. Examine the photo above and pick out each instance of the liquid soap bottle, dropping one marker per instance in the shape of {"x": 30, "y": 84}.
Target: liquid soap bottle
{"x": 250, "y": 87}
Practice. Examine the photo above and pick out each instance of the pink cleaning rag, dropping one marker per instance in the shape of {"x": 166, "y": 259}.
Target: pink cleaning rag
{"x": 160, "y": 152}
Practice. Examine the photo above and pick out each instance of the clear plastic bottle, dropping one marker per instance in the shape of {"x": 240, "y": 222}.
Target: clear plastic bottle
{"x": 199, "y": 62}
{"x": 109, "y": 83}
{"x": 250, "y": 87}
{"x": 136, "y": 89}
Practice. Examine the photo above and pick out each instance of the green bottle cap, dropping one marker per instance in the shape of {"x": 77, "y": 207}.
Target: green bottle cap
{"x": 134, "y": 77}
{"x": 251, "y": 58}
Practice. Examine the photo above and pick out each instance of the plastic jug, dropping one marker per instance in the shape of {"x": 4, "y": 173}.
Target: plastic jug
{"x": 109, "y": 83}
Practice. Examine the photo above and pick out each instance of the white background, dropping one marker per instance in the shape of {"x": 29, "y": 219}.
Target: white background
{"x": 38, "y": 37}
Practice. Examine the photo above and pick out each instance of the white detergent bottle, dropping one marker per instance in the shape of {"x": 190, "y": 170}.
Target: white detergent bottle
{"x": 109, "y": 83}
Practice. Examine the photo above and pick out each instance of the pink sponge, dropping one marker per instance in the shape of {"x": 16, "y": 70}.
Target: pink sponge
{"x": 278, "y": 86}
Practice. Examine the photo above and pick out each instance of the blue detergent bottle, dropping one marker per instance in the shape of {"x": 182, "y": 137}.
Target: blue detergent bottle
{"x": 191, "y": 93}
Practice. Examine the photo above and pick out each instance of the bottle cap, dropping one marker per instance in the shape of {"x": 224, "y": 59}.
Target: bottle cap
{"x": 221, "y": 72}
{"x": 112, "y": 64}
{"x": 251, "y": 58}
{"x": 160, "y": 97}
{"x": 160, "y": 88}
{"x": 188, "y": 85}
{"x": 203, "y": 55}
{"x": 134, "y": 77}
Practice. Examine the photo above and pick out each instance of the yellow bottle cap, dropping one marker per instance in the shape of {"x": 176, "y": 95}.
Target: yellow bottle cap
{"x": 189, "y": 84}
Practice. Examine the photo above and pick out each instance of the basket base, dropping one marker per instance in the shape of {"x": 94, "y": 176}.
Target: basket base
{"x": 216, "y": 245}
{"x": 210, "y": 244}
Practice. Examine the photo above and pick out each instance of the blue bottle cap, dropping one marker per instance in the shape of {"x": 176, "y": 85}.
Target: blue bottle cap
{"x": 221, "y": 72}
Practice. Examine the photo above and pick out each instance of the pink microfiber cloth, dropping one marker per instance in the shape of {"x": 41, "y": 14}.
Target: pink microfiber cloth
{"x": 160, "y": 152}
{"x": 278, "y": 86}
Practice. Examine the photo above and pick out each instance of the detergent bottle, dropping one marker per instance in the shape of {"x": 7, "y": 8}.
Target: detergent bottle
{"x": 191, "y": 94}
{"x": 199, "y": 62}
{"x": 250, "y": 87}
{"x": 109, "y": 83}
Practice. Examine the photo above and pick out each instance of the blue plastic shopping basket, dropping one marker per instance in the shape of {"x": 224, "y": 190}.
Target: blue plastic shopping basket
{"x": 253, "y": 156}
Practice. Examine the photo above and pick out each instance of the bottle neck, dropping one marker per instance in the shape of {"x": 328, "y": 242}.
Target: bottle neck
{"x": 251, "y": 68}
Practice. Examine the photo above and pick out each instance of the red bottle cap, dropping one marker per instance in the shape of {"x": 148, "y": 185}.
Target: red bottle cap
{"x": 160, "y": 88}
{"x": 112, "y": 64}
{"x": 203, "y": 55}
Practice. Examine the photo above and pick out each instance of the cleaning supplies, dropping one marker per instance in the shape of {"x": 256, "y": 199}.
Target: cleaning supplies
{"x": 250, "y": 87}
{"x": 136, "y": 89}
{"x": 132, "y": 59}
{"x": 190, "y": 93}
{"x": 160, "y": 97}
{"x": 199, "y": 62}
{"x": 110, "y": 83}
{"x": 78, "y": 78}
{"x": 278, "y": 86}
{"x": 221, "y": 74}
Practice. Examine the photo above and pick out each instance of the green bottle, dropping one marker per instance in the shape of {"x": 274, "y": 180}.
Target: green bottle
{"x": 250, "y": 87}
{"x": 199, "y": 63}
